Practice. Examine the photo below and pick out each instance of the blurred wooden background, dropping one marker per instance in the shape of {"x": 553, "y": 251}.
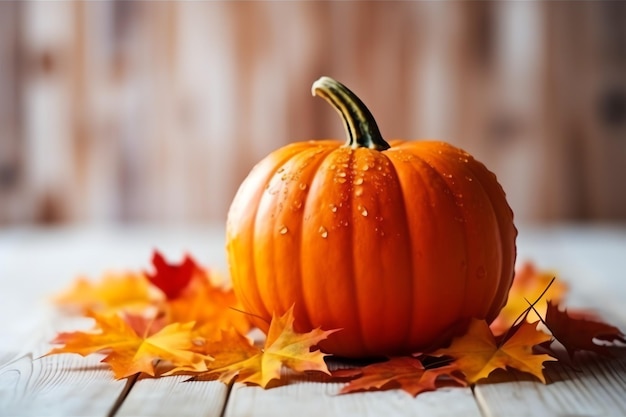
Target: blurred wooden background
{"x": 155, "y": 112}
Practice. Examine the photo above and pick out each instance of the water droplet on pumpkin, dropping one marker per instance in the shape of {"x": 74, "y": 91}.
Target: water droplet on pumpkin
{"x": 323, "y": 232}
{"x": 302, "y": 186}
{"x": 470, "y": 179}
{"x": 366, "y": 167}
{"x": 358, "y": 181}
{"x": 333, "y": 208}
{"x": 283, "y": 230}
{"x": 341, "y": 174}
{"x": 358, "y": 192}
{"x": 333, "y": 167}
{"x": 296, "y": 205}
{"x": 281, "y": 169}
{"x": 363, "y": 210}
{"x": 480, "y": 272}
{"x": 340, "y": 180}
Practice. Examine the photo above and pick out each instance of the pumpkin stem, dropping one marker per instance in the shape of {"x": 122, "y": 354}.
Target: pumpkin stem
{"x": 360, "y": 125}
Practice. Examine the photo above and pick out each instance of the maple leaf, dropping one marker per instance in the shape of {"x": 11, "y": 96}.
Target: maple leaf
{"x": 283, "y": 347}
{"x": 170, "y": 278}
{"x": 128, "y": 353}
{"x": 229, "y": 348}
{"x": 477, "y": 353}
{"x": 213, "y": 307}
{"x": 114, "y": 292}
{"x": 529, "y": 284}
{"x": 579, "y": 333}
{"x": 402, "y": 372}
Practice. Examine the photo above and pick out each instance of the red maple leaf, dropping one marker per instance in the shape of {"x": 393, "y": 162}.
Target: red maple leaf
{"x": 170, "y": 278}
{"x": 580, "y": 333}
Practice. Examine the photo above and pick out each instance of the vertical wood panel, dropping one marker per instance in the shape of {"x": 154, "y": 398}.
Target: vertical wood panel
{"x": 11, "y": 153}
{"x": 155, "y": 112}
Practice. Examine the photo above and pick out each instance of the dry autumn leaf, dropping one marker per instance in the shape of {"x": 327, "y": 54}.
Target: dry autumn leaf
{"x": 283, "y": 347}
{"x": 579, "y": 333}
{"x": 127, "y": 352}
{"x": 229, "y": 348}
{"x": 403, "y": 372}
{"x": 172, "y": 279}
{"x": 477, "y": 352}
{"x": 114, "y": 292}
{"x": 213, "y": 308}
{"x": 528, "y": 285}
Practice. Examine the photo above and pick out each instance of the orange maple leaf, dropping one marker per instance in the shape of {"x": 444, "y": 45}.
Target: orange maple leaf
{"x": 528, "y": 285}
{"x": 114, "y": 292}
{"x": 213, "y": 307}
{"x": 402, "y": 372}
{"x": 477, "y": 353}
{"x": 283, "y": 347}
{"x": 580, "y": 333}
{"x": 127, "y": 352}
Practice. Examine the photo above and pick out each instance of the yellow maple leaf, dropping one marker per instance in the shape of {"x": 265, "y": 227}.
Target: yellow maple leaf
{"x": 477, "y": 353}
{"x": 528, "y": 285}
{"x": 229, "y": 348}
{"x": 127, "y": 291}
{"x": 283, "y": 347}
{"x": 128, "y": 353}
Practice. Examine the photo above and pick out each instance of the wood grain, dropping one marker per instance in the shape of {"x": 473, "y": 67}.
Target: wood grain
{"x": 60, "y": 385}
{"x": 36, "y": 264}
{"x": 172, "y": 396}
{"x": 155, "y": 111}
{"x": 310, "y": 396}
{"x": 596, "y": 389}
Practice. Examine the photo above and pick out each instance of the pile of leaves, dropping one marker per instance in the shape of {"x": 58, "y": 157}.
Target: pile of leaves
{"x": 182, "y": 319}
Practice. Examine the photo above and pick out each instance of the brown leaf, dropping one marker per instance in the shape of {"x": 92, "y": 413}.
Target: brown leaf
{"x": 580, "y": 333}
{"x": 403, "y": 372}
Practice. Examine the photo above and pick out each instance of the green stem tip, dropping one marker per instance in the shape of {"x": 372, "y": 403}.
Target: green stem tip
{"x": 361, "y": 128}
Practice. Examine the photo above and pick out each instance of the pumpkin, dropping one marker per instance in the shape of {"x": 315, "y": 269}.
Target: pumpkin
{"x": 394, "y": 242}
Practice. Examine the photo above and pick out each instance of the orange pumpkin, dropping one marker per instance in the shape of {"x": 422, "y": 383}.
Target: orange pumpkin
{"x": 395, "y": 243}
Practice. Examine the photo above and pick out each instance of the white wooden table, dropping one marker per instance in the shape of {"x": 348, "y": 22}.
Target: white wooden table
{"x": 36, "y": 264}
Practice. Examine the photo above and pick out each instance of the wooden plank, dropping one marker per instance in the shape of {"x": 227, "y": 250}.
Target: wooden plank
{"x": 596, "y": 390}
{"x": 309, "y": 396}
{"x": 57, "y": 385}
{"x": 172, "y": 396}
{"x": 63, "y": 385}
